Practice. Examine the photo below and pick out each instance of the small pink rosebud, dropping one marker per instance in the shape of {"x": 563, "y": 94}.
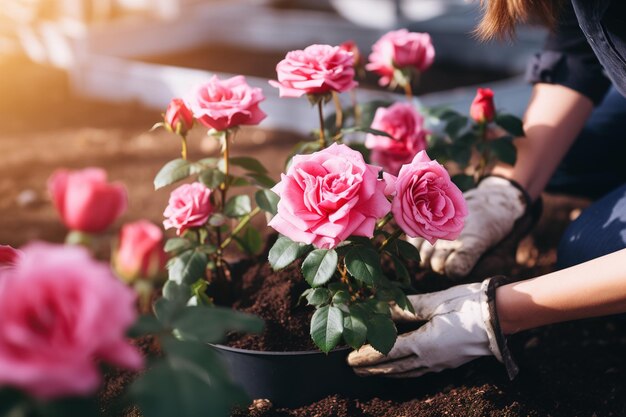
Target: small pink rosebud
{"x": 482, "y": 109}
{"x": 139, "y": 254}
{"x": 85, "y": 200}
{"x": 352, "y": 47}
{"x": 178, "y": 118}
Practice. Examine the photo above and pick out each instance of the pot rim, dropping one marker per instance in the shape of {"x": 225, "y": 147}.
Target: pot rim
{"x": 277, "y": 352}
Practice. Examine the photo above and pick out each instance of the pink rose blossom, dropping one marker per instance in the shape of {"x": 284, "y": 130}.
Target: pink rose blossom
{"x": 400, "y": 49}
{"x": 178, "y": 118}
{"x": 406, "y": 126}
{"x": 62, "y": 312}
{"x": 483, "y": 110}
{"x": 189, "y": 206}
{"x": 85, "y": 200}
{"x": 139, "y": 254}
{"x": 8, "y": 256}
{"x": 353, "y": 48}
{"x": 318, "y": 69}
{"x": 329, "y": 195}
{"x": 427, "y": 203}
{"x": 224, "y": 104}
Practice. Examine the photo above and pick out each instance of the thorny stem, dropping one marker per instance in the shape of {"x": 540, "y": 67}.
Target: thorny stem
{"x": 396, "y": 234}
{"x": 243, "y": 223}
{"x": 322, "y": 134}
{"x": 338, "y": 111}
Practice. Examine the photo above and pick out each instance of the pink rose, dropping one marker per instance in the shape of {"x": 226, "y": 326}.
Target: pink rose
{"x": 85, "y": 200}
{"x": 482, "y": 109}
{"x": 8, "y": 256}
{"x": 189, "y": 206}
{"x": 318, "y": 69}
{"x": 329, "y": 195}
{"x": 406, "y": 126}
{"x": 178, "y": 118}
{"x": 61, "y": 313}
{"x": 224, "y": 104}
{"x": 427, "y": 203}
{"x": 353, "y": 48}
{"x": 400, "y": 49}
{"x": 139, "y": 254}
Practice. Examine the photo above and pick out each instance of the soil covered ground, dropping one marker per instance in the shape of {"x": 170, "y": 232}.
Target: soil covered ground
{"x": 573, "y": 369}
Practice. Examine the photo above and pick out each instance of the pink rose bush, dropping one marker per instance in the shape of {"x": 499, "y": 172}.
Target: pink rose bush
{"x": 400, "y": 49}
{"x": 189, "y": 206}
{"x": 62, "y": 313}
{"x": 427, "y": 203}
{"x": 139, "y": 253}
{"x": 85, "y": 200}
{"x": 226, "y": 104}
{"x": 328, "y": 196}
{"x": 178, "y": 118}
{"x": 316, "y": 70}
{"x": 405, "y": 125}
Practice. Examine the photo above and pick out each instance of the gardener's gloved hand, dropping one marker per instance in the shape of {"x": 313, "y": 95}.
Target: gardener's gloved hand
{"x": 493, "y": 207}
{"x": 460, "y": 327}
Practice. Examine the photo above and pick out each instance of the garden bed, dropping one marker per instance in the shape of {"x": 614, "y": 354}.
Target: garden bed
{"x": 566, "y": 370}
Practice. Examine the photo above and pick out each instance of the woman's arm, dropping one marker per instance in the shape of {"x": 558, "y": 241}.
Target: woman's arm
{"x": 591, "y": 289}
{"x": 554, "y": 118}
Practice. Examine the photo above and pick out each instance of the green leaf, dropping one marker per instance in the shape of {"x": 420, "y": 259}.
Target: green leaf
{"x": 511, "y": 124}
{"x": 211, "y": 324}
{"x": 455, "y": 125}
{"x": 178, "y": 294}
{"x": 381, "y": 333}
{"x": 144, "y": 325}
{"x": 10, "y": 402}
{"x": 237, "y": 181}
{"x": 199, "y": 291}
{"x": 187, "y": 267}
{"x": 212, "y": 178}
{"x": 326, "y": 327}
{"x": 171, "y": 172}
{"x": 402, "y": 300}
{"x": 402, "y": 273}
{"x": 341, "y": 297}
{"x": 504, "y": 150}
{"x": 238, "y": 206}
{"x": 190, "y": 381}
{"x": 463, "y": 181}
{"x": 365, "y": 129}
{"x": 178, "y": 244}
{"x": 354, "y": 328}
{"x": 407, "y": 250}
{"x": 67, "y": 407}
{"x": 285, "y": 251}
{"x": 319, "y": 266}
{"x": 251, "y": 241}
{"x": 364, "y": 265}
{"x": 261, "y": 180}
{"x": 318, "y": 296}
{"x": 203, "y": 164}
{"x": 165, "y": 310}
{"x": 267, "y": 200}
{"x": 248, "y": 163}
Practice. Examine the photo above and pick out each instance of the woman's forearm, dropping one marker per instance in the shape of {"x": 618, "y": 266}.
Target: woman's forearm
{"x": 591, "y": 289}
{"x": 554, "y": 117}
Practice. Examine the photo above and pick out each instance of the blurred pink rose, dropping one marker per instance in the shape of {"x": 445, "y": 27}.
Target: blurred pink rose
{"x": 85, "y": 200}
{"x": 406, "y": 126}
{"x": 427, "y": 203}
{"x": 318, "y": 69}
{"x": 400, "y": 49}
{"x": 224, "y": 104}
{"x": 61, "y": 313}
{"x": 329, "y": 195}
{"x": 189, "y": 206}
{"x": 178, "y": 118}
{"x": 483, "y": 110}
{"x": 352, "y": 47}
{"x": 139, "y": 253}
{"x": 8, "y": 256}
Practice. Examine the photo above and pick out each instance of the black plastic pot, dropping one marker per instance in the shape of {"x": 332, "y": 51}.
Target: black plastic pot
{"x": 293, "y": 379}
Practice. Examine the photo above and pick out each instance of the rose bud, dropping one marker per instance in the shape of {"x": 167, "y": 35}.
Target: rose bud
{"x": 85, "y": 200}
{"x": 139, "y": 253}
{"x": 482, "y": 109}
{"x": 178, "y": 118}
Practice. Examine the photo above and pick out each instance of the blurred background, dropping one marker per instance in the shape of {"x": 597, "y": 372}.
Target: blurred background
{"x": 82, "y": 82}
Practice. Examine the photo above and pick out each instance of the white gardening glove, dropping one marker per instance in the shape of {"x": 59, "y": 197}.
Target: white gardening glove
{"x": 493, "y": 207}
{"x": 459, "y": 328}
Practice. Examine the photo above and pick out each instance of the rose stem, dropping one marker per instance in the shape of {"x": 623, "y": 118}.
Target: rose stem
{"x": 225, "y": 157}
{"x": 396, "y": 234}
{"x": 484, "y": 156}
{"x": 321, "y": 114}
{"x": 407, "y": 90}
{"x": 384, "y": 221}
{"x": 338, "y": 111}
{"x": 243, "y": 223}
